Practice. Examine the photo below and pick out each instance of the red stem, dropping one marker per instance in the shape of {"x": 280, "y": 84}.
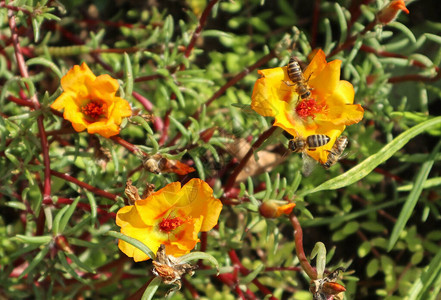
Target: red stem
{"x": 125, "y": 144}
{"x": 144, "y": 101}
{"x": 298, "y": 238}
{"x": 43, "y": 138}
{"x": 315, "y": 23}
{"x": 244, "y": 271}
{"x": 84, "y": 185}
{"x": 201, "y": 25}
{"x": 15, "y": 8}
{"x": 166, "y": 123}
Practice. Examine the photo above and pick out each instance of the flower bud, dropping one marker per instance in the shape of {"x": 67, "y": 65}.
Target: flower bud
{"x": 274, "y": 209}
{"x": 390, "y": 12}
{"x": 62, "y": 244}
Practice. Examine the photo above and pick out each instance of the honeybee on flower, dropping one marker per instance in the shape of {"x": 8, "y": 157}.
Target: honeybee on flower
{"x": 326, "y": 111}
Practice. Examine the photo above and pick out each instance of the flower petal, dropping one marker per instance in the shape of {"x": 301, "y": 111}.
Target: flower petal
{"x": 197, "y": 201}
{"x": 157, "y": 204}
{"x": 104, "y": 88}
{"x": 105, "y": 128}
{"x": 131, "y": 224}
{"x": 77, "y": 80}
{"x": 271, "y": 92}
{"x": 317, "y": 64}
{"x": 341, "y": 110}
{"x": 327, "y": 80}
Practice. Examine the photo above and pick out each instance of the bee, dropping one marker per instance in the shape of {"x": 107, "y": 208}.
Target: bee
{"x": 336, "y": 152}
{"x": 310, "y": 143}
{"x": 295, "y": 74}
{"x": 300, "y": 144}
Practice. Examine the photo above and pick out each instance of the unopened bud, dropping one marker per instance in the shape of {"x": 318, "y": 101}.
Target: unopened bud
{"x": 62, "y": 244}
{"x": 273, "y": 209}
{"x": 390, "y": 12}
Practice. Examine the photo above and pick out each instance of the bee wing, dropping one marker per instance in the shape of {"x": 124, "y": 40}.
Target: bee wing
{"x": 308, "y": 164}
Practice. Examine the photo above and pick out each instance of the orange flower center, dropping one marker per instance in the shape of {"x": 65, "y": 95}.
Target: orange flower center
{"x": 170, "y": 224}
{"x": 308, "y": 108}
{"x": 93, "y": 109}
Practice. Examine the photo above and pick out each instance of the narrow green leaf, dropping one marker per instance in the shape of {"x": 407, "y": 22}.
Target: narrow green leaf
{"x": 328, "y": 35}
{"x": 41, "y": 240}
{"x": 151, "y": 289}
{"x": 143, "y": 123}
{"x": 196, "y": 255}
{"x": 34, "y": 262}
{"x": 128, "y": 75}
{"x": 66, "y": 216}
{"x": 365, "y": 167}
{"x": 268, "y": 187}
{"x": 342, "y": 23}
{"x": 424, "y": 282}
{"x": 57, "y": 220}
{"x": 404, "y": 29}
{"x": 92, "y": 202}
{"x": 36, "y": 29}
{"x": 433, "y": 37}
{"x": 429, "y": 183}
{"x": 68, "y": 268}
{"x": 413, "y": 197}
{"x": 80, "y": 264}
{"x": 45, "y": 62}
{"x": 251, "y": 276}
{"x": 294, "y": 185}
{"x": 180, "y": 127}
{"x": 275, "y": 187}
{"x": 134, "y": 242}
{"x": 177, "y": 92}
{"x": 348, "y": 217}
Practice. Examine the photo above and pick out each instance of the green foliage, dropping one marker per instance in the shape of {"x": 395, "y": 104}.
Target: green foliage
{"x": 188, "y": 69}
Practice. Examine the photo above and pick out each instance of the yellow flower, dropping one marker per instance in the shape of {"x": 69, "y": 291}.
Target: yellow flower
{"x": 89, "y": 102}
{"x": 327, "y": 111}
{"x": 172, "y": 216}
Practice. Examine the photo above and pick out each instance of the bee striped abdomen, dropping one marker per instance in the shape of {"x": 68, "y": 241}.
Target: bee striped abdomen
{"x": 294, "y": 71}
{"x": 317, "y": 140}
{"x": 336, "y": 151}
{"x": 295, "y": 74}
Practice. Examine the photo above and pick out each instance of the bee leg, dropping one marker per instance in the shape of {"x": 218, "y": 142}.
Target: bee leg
{"x": 288, "y": 83}
{"x": 330, "y": 152}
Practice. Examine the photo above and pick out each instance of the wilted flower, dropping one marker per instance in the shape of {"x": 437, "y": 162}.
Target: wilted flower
{"x": 274, "y": 209}
{"x": 327, "y": 288}
{"x": 390, "y": 11}
{"x": 170, "y": 269}
{"x": 172, "y": 216}
{"x": 327, "y": 111}
{"x": 89, "y": 102}
{"x": 159, "y": 164}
